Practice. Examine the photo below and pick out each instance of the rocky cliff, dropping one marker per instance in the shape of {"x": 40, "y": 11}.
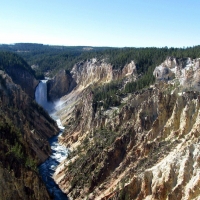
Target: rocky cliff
{"x": 186, "y": 71}
{"x": 96, "y": 71}
{"x": 90, "y": 74}
{"x": 23, "y": 78}
{"x": 60, "y": 85}
{"x": 147, "y": 148}
{"x": 25, "y": 128}
{"x": 19, "y": 71}
{"x": 86, "y": 73}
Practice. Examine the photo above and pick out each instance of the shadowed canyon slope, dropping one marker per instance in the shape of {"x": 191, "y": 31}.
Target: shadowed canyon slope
{"x": 25, "y": 128}
{"x": 145, "y": 148}
{"x": 60, "y": 85}
{"x": 20, "y": 72}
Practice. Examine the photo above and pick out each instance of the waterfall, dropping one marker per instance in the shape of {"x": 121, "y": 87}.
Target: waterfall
{"x": 59, "y": 152}
{"x": 41, "y": 96}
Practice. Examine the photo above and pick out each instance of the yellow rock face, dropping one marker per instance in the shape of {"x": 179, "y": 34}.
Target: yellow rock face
{"x": 154, "y": 154}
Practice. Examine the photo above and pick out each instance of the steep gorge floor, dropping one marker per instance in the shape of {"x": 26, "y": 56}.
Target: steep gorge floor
{"x": 146, "y": 149}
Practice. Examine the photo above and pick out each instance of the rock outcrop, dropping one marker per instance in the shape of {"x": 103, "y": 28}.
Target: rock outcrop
{"x": 147, "y": 148}
{"x": 86, "y": 73}
{"x": 153, "y": 154}
{"x": 185, "y": 71}
{"x": 60, "y": 85}
{"x": 95, "y": 71}
{"x": 91, "y": 73}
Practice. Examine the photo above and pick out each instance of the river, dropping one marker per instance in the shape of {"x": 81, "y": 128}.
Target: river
{"x": 59, "y": 152}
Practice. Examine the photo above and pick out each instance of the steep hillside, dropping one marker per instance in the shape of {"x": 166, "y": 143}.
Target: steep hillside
{"x": 24, "y": 130}
{"x": 144, "y": 148}
{"x": 128, "y": 139}
{"x": 19, "y": 71}
{"x": 47, "y": 60}
{"x": 61, "y": 84}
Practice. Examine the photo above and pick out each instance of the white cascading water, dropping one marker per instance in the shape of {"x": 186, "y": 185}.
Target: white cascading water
{"x": 59, "y": 152}
{"x": 41, "y": 93}
{"x": 41, "y": 96}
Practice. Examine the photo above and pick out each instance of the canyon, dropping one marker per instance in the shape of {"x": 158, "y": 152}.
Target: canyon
{"x": 58, "y": 152}
{"x": 143, "y": 145}
{"x": 147, "y": 148}
{"x": 25, "y": 129}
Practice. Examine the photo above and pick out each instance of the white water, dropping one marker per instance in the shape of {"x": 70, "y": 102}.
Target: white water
{"x": 59, "y": 152}
{"x": 47, "y": 169}
{"x": 41, "y": 96}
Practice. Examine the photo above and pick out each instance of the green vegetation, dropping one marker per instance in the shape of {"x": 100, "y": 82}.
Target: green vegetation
{"x": 146, "y": 59}
{"x": 12, "y": 148}
{"x": 8, "y": 59}
{"x": 92, "y": 159}
{"x": 53, "y": 58}
{"x": 107, "y": 95}
{"x": 146, "y": 80}
{"x": 111, "y": 94}
{"x": 17, "y": 114}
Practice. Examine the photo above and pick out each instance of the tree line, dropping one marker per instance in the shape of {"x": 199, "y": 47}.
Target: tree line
{"x": 146, "y": 60}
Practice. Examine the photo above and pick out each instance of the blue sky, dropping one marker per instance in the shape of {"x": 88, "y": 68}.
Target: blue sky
{"x": 117, "y": 23}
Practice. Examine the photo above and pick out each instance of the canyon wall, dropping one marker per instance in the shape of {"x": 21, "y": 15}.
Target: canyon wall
{"x": 95, "y": 71}
{"x": 20, "y": 72}
{"x": 91, "y": 72}
{"x": 25, "y": 128}
{"x": 186, "y": 71}
{"x": 23, "y": 78}
{"x": 60, "y": 85}
{"x": 147, "y": 148}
